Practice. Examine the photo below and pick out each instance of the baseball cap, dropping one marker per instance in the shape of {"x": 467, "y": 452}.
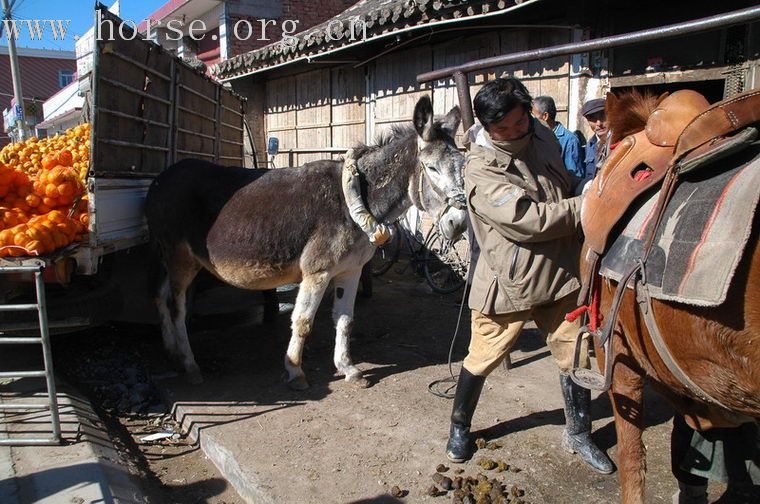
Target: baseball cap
{"x": 592, "y": 107}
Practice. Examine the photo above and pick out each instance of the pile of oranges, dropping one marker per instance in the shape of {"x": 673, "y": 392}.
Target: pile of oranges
{"x": 43, "y": 203}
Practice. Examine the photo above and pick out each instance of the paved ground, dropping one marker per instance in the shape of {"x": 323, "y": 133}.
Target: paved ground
{"x": 332, "y": 443}
{"x": 85, "y": 468}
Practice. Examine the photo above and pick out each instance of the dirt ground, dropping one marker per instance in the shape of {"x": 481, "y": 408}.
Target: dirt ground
{"x": 334, "y": 442}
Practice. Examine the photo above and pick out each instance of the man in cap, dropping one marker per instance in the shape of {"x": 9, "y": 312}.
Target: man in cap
{"x": 593, "y": 111}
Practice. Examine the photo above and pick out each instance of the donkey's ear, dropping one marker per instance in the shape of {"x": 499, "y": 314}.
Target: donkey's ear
{"x": 423, "y": 118}
{"x": 450, "y": 123}
{"x": 662, "y": 97}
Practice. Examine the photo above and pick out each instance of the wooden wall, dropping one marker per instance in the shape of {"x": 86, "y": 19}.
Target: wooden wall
{"x": 339, "y": 106}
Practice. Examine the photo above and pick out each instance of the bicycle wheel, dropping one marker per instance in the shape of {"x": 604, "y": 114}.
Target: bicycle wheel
{"x": 445, "y": 263}
{"x": 388, "y": 254}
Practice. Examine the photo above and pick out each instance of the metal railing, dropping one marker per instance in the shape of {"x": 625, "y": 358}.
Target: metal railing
{"x": 291, "y": 153}
{"x": 34, "y": 266}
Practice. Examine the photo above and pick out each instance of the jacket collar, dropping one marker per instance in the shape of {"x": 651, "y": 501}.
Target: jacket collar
{"x": 492, "y": 155}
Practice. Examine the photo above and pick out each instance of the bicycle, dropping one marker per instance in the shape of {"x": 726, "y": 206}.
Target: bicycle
{"x": 443, "y": 263}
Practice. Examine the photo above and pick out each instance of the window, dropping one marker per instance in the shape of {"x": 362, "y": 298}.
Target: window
{"x": 65, "y": 77}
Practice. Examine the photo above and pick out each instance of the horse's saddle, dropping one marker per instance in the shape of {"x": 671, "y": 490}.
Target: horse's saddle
{"x": 684, "y": 130}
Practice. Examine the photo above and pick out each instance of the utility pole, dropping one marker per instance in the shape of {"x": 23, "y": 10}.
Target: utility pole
{"x": 15, "y": 74}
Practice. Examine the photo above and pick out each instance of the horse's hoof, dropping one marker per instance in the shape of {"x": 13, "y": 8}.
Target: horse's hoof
{"x": 358, "y": 381}
{"x": 298, "y": 383}
{"x": 195, "y": 377}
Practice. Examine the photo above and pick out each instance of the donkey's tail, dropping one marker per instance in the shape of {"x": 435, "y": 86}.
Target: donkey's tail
{"x": 157, "y": 271}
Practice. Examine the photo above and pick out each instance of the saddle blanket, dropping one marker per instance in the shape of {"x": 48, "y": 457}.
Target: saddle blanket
{"x": 702, "y": 236}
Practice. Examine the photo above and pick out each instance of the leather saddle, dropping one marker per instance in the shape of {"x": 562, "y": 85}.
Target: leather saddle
{"x": 683, "y": 130}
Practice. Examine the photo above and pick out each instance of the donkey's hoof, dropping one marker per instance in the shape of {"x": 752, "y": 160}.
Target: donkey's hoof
{"x": 298, "y": 383}
{"x": 358, "y": 381}
{"x": 194, "y": 377}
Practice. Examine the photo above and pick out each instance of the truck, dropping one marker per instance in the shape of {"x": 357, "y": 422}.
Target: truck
{"x": 148, "y": 109}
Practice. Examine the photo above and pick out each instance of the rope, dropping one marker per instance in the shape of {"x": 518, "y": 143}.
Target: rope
{"x": 432, "y": 386}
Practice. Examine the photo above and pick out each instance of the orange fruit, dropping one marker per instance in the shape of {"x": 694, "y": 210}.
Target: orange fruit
{"x": 23, "y": 191}
{"x": 33, "y": 200}
{"x": 66, "y": 189}
{"x": 6, "y": 237}
{"x": 59, "y": 239}
{"x": 49, "y": 161}
{"x": 20, "y": 239}
{"x": 35, "y": 246}
{"x": 56, "y": 216}
{"x": 65, "y": 158}
{"x": 42, "y": 209}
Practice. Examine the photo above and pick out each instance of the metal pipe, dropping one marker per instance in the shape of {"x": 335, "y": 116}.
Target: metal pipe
{"x": 29, "y": 442}
{"x": 47, "y": 356}
{"x": 18, "y": 307}
{"x": 462, "y": 28}
{"x": 318, "y": 150}
{"x": 21, "y": 269}
{"x": 23, "y": 406}
{"x": 675, "y": 30}
{"x": 22, "y": 374}
{"x": 463, "y": 92}
{"x": 15, "y": 74}
{"x": 19, "y": 341}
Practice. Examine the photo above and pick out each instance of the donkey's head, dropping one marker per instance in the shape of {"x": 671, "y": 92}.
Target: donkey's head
{"x": 438, "y": 155}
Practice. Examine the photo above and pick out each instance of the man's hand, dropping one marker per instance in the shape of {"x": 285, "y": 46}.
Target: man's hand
{"x": 380, "y": 235}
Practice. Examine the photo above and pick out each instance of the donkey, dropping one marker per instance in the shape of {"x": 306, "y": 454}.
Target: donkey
{"x": 716, "y": 347}
{"x": 259, "y": 229}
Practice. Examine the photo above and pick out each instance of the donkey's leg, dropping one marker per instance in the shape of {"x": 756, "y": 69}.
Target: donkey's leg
{"x": 627, "y": 397}
{"x": 183, "y": 270}
{"x": 343, "y": 315}
{"x": 309, "y": 296}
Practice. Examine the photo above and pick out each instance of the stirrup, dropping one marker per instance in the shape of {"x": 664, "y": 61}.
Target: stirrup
{"x": 588, "y": 378}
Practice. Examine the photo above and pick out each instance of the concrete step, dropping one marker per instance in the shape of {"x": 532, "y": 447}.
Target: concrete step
{"x": 84, "y": 468}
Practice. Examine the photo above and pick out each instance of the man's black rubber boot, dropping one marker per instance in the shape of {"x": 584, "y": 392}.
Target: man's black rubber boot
{"x": 577, "y": 435}
{"x": 469, "y": 386}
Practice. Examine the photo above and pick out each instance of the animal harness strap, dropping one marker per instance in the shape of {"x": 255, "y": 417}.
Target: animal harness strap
{"x": 645, "y": 307}
{"x": 351, "y": 183}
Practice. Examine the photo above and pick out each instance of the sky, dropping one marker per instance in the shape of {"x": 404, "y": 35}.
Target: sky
{"x": 81, "y": 13}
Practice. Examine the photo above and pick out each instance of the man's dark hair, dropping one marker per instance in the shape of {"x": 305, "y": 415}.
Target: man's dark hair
{"x": 498, "y": 97}
{"x": 546, "y": 104}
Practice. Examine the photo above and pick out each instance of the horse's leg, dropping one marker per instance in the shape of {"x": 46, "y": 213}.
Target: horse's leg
{"x": 183, "y": 270}
{"x": 627, "y": 396}
{"x": 343, "y": 316}
{"x": 309, "y": 296}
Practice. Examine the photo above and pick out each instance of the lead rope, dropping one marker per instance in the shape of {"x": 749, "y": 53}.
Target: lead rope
{"x": 432, "y": 386}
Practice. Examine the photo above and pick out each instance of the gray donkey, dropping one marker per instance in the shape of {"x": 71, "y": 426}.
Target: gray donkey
{"x": 259, "y": 229}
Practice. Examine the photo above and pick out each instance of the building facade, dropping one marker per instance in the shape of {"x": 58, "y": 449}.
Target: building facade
{"x": 347, "y": 78}
{"x": 43, "y": 73}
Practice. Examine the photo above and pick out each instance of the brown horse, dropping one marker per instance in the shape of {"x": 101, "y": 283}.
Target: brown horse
{"x": 716, "y": 347}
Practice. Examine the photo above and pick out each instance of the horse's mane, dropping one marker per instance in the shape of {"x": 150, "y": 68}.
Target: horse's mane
{"x": 628, "y": 113}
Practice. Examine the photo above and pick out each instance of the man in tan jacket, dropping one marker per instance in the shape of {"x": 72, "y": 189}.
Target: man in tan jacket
{"x": 527, "y": 226}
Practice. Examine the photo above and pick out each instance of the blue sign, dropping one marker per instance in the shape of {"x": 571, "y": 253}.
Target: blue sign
{"x": 17, "y": 111}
